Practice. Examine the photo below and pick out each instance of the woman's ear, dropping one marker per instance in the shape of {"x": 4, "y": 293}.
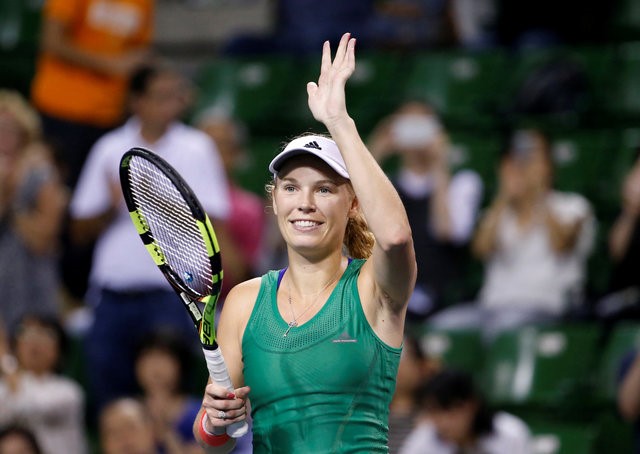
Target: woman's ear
{"x": 354, "y": 209}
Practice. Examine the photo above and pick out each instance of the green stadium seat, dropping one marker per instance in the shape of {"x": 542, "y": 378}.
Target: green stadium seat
{"x": 372, "y": 91}
{"x": 10, "y": 23}
{"x": 599, "y": 265}
{"x": 615, "y": 435}
{"x": 626, "y": 20}
{"x": 255, "y": 174}
{"x": 624, "y": 338}
{"x": 478, "y": 152}
{"x": 464, "y": 87}
{"x": 624, "y": 96}
{"x": 540, "y": 367}
{"x": 620, "y": 163}
{"x": 19, "y": 37}
{"x": 460, "y": 349}
{"x": 252, "y": 89}
{"x": 74, "y": 364}
{"x": 550, "y": 437}
{"x": 594, "y": 62}
{"x": 17, "y": 67}
{"x": 582, "y": 161}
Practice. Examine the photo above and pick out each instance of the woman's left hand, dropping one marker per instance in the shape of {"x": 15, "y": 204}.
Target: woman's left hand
{"x": 327, "y": 97}
{"x": 223, "y": 407}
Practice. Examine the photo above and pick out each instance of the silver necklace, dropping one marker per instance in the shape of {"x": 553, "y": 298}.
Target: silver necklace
{"x": 294, "y": 320}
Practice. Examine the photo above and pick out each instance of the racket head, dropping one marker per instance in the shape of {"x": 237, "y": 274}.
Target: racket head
{"x": 176, "y": 232}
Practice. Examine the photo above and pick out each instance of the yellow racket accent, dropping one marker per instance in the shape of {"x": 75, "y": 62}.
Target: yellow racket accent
{"x": 156, "y": 253}
{"x": 139, "y": 222}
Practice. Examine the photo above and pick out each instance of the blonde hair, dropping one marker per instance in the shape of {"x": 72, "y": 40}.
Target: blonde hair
{"x": 358, "y": 239}
{"x": 15, "y": 104}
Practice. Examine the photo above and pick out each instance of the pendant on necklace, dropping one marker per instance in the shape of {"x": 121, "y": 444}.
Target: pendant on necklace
{"x": 292, "y": 324}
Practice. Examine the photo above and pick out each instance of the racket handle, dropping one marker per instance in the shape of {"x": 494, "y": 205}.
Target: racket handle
{"x": 220, "y": 375}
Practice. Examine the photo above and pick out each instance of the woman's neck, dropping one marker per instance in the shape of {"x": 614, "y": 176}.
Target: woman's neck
{"x": 314, "y": 276}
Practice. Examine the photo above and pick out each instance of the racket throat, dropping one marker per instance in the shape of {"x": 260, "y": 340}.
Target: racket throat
{"x": 191, "y": 305}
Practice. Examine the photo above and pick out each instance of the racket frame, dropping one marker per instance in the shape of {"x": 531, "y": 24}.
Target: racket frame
{"x": 204, "y": 320}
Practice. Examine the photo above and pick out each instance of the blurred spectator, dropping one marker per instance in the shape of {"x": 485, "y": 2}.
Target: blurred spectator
{"x": 34, "y": 393}
{"x": 624, "y": 237}
{"x": 628, "y": 399}
{"x": 534, "y": 242}
{"x": 415, "y": 368}
{"x": 89, "y": 48}
{"x": 622, "y": 298}
{"x": 16, "y": 439}
{"x": 129, "y": 296}
{"x": 301, "y": 26}
{"x": 412, "y": 24}
{"x": 456, "y": 419}
{"x": 126, "y": 427}
{"x": 32, "y": 203}
{"x": 442, "y": 207}
{"x": 88, "y": 51}
{"x": 247, "y": 220}
{"x": 474, "y": 23}
{"x": 162, "y": 371}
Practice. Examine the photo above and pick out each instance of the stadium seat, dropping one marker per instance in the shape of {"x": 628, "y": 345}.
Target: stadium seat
{"x": 549, "y": 437}
{"x": 372, "y": 91}
{"x": 464, "y": 87}
{"x": 479, "y": 152}
{"x": 626, "y": 20}
{"x": 252, "y": 89}
{"x": 19, "y": 36}
{"x": 615, "y": 435}
{"x": 624, "y": 97}
{"x": 583, "y": 79}
{"x": 582, "y": 160}
{"x": 624, "y": 338}
{"x": 255, "y": 174}
{"x": 460, "y": 349}
{"x": 541, "y": 367}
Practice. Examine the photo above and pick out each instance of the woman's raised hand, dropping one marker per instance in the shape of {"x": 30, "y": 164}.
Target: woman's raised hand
{"x": 327, "y": 97}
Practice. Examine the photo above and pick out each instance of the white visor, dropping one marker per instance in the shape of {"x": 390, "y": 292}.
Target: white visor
{"x": 322, "y": 147}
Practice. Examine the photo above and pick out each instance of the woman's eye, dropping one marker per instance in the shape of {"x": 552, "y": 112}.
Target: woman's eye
{"x": 325, "y": 190}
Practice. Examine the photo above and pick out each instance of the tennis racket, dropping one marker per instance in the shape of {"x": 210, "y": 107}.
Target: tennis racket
{"x": 179, "y": 236}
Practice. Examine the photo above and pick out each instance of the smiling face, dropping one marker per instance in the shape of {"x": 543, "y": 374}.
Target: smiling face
{"x": 312, "y": 204}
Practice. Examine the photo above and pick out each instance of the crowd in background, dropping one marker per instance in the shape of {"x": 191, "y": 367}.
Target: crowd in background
{"x": 76, "y": 285}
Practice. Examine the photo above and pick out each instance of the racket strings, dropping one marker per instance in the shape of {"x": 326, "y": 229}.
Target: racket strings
{"x": 172, "y": 226}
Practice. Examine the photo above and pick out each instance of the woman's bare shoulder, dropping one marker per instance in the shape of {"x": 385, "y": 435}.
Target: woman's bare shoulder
{"x": 241, "y": 299}
{"x": 246, "y": 288}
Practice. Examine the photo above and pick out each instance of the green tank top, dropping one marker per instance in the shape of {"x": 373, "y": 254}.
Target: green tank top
{"x": 326, "y": 387}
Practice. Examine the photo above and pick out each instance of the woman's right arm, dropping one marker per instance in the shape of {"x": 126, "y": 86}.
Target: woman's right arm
{"x": 233, "y": 320}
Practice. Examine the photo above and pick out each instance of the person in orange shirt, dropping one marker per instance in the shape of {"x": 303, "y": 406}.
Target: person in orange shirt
{"x": 88, "y": 50}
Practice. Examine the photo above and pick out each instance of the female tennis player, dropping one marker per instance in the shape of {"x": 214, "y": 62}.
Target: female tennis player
{"x": 316, "y": 346}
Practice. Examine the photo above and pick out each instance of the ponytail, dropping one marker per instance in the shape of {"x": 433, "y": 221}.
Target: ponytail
{"x": 358, "y": 239}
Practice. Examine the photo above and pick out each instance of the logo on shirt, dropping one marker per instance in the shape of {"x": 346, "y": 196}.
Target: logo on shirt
{"x": 344, "y": 338}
